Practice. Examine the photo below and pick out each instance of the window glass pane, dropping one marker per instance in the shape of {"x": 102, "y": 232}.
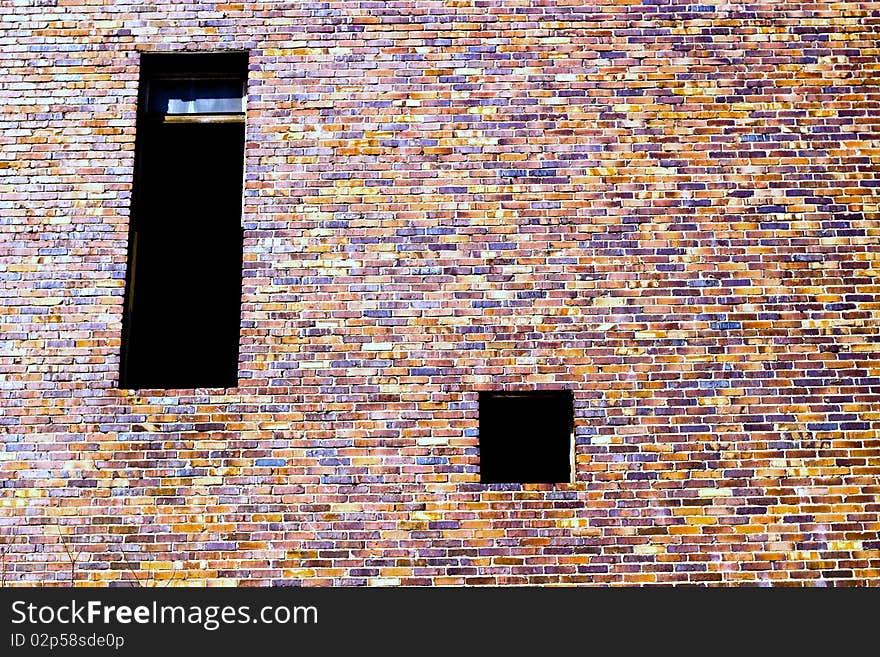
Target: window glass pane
{"x": 196, "y": 96}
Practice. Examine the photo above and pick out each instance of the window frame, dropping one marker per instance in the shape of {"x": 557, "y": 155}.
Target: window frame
{"x": 194, "y": 117}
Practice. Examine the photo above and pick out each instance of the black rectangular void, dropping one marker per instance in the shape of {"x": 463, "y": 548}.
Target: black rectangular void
{"x": 526, "y": 437}
{"x": 183, "y": 290}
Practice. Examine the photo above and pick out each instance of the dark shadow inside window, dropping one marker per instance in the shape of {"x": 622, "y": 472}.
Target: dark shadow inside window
{"x": 185, "y": 265}
{"x": 525, "y": 437}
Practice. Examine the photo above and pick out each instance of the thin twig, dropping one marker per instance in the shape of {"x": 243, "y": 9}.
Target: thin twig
{"x": 139, "y": 581}
{"x": 174, "y": 574}
{"x": 73, "y": 557}
{"x": 3, "y": 554}
{"x": 130, "y": 569}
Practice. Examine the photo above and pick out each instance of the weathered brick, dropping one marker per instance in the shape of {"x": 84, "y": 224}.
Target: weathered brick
{"x": 669, "y": 208}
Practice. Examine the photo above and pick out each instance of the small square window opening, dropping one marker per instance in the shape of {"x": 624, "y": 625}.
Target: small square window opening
{"x": 526, "y": 437}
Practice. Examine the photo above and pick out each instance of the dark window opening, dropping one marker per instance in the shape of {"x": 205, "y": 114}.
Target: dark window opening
{"x": 526, "y": 437}
{"x": 183, "y": 297}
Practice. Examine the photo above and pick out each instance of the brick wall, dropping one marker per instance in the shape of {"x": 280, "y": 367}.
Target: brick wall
{"x": 670, "y": 208}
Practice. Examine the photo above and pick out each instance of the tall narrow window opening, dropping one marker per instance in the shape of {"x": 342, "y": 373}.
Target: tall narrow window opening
{"x": 183, "y": 292}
